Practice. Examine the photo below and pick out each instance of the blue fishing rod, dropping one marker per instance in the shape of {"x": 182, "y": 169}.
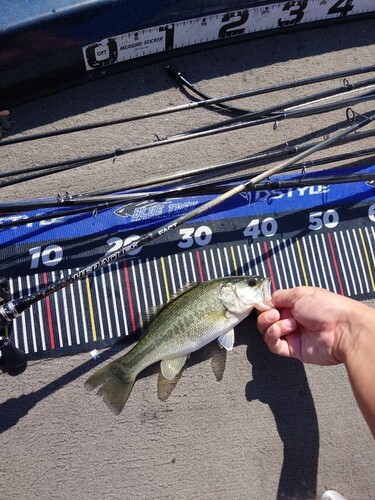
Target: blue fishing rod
{"x": 12, "y": 309}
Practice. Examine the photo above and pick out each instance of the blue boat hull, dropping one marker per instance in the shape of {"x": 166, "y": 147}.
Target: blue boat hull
{"x": 74, "y": 42}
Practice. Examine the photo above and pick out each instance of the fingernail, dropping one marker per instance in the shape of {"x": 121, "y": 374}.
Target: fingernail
{"x": 289, "y": 323}
{"x": 272, "y": 315}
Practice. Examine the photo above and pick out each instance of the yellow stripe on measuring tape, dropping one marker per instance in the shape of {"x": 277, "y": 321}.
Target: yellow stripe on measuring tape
{"x": 91, "y": 309}
{"x": 367, "y": 258}
{"x": 164, "y": 271}
{"x": 302, "y": 262}
{"x": 234, "y": 260}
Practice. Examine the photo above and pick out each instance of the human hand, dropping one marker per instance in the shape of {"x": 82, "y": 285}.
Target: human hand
{"x": 310, "y": 324}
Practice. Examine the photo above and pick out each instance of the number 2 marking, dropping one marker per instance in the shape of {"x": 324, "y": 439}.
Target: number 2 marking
{"x": 227, "y": 30}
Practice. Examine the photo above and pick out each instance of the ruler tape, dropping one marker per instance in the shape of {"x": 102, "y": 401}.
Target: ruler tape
{"x": 215, "y": 27}
{"x": 102, "y": 308}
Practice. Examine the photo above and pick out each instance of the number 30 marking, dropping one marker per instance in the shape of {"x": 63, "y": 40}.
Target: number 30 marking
{"x": 201, "y": 236}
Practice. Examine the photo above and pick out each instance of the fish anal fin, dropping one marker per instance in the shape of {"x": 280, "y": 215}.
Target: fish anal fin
{"x": 171, "y": 367}
{"x": 227, "y": 340}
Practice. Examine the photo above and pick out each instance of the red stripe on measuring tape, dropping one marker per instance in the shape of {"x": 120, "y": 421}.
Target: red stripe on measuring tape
{"x": 200, "y": 269}
{"x": 49, "y": 315}
{"x": 268, "y": 261}
{"x": 129, "y": 295}
{"x": 331, "y": 247}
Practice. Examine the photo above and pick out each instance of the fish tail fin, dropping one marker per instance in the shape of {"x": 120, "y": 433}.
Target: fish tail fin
{"x": 116, "y": 385}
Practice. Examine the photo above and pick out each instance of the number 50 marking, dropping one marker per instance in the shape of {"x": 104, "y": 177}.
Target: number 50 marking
{"x": 329, "y": 218}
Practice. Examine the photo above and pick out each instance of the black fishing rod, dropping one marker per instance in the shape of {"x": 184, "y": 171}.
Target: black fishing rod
{"x": 246, "y": 114}
{"x": 32, "y": 173}
{"x": 76, "y": 162}
{"x": 261, "y": 117}
{"x": 206, "y": 103}
{"x": 184, "y": 82}
{"x": 14, "y": 308}
{"x": 217, "y": 186}
{"x": 95, "y": 204}
{"x": 263, "y": 156}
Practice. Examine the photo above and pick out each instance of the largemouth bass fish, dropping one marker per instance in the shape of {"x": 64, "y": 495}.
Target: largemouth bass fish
{"x": 196, "y": 316}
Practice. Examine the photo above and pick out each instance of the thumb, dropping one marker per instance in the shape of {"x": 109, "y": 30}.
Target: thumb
{"x": 286, "y": 298}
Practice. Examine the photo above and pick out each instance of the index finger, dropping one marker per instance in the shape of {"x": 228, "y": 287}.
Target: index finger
{"x": 286, "y": 298}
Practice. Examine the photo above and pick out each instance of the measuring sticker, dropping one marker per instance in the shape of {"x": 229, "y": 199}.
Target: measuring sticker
{"x": 234, "y": 23}
{"x": 321, "y": 235}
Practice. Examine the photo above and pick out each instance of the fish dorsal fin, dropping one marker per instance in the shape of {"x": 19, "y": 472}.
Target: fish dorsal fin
{"x": 227, "y": 340}
{"x": 147, "y": 317}
{"x": 184, "y": 289}
{"x": 171, "y": 367}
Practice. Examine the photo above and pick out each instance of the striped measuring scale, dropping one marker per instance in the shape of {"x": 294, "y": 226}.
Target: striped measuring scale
{"x": 321, "y": 235}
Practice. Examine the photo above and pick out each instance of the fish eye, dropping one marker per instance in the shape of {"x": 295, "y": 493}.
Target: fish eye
{"x": 252, "y": 281}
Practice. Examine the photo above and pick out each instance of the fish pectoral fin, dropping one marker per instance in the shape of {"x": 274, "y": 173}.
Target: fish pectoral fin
{"x": 171, "y": 367}
{"x": 227, "y": 340}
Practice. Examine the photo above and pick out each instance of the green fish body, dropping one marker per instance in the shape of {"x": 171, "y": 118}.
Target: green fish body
{"x": 193, "y": 318}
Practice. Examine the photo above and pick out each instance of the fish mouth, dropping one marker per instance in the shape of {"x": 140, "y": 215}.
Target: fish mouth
{"x": 266, "y": 295}
{"x": 266, "y": 289}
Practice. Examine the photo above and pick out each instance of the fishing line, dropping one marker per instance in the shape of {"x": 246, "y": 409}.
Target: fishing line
{"x": 16, "y": 307}
{"x": 203, "y": 103}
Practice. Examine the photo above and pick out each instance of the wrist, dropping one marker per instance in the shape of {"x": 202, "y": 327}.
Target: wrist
{"x": 356, "y": 333}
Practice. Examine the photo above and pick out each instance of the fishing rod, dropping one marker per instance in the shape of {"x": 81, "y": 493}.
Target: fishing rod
{"x": 267, "y": 155}
{"x": 264, "y": 156}
{"x": 14, "y": 308}
{"x": 246, "y": 114}
{"x": 168, "y": 191}
{"x": 96, "y": 204}
{"x": 183, "y": 82}
{"x": 295, "y": 110}
{"x": 76, "y": 162}
{"x": 39, "y": 171}
{"x": 205, "y": 103}
{"x": 217, "y": 187}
